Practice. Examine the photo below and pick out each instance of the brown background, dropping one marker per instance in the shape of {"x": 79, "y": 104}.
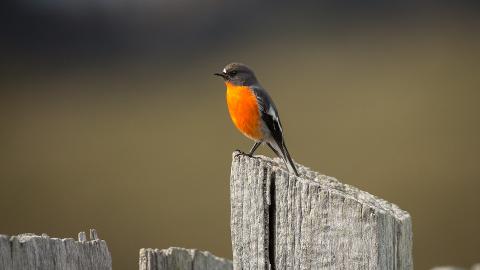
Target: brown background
{"x": 111, "y": 118}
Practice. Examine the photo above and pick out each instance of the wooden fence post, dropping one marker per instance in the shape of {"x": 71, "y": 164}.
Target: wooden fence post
{"x": 29, "y": 251}
{"x": 181, "y": 259}
{"x": 280, "y": 221}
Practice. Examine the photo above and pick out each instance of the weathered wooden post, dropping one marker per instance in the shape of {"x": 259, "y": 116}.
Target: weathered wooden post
{"x": 279, "y": 221}
{"x": 29, "y": 251}
{"x": 181, "y": 259}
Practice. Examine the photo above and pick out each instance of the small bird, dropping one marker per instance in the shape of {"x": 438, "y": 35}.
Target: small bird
{"x": 253, "y": 112}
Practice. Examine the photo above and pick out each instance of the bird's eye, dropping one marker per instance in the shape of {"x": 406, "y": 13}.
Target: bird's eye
{"x": 232, "y": 73}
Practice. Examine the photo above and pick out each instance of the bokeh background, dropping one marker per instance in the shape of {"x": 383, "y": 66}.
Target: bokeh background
{"x": 110, "y": 116}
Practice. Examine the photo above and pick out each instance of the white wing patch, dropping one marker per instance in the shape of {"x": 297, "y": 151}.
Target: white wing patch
{"x": 267, "y": 108}
{"x": 274, "y": 115}
{"x": 272, "y": 112}
{"x": 224, "y": 70}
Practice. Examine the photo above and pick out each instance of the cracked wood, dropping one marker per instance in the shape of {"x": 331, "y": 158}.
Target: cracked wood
{"x": 280, "y": 221}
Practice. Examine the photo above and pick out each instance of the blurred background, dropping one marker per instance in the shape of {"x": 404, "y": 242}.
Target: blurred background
{"x": 110, "y": 117}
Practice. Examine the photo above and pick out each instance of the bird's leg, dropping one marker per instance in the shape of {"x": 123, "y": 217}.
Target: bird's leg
{"x": 250, "y": 154}
{"x": 254, "y": 147}
{"x": 275, "y": 151}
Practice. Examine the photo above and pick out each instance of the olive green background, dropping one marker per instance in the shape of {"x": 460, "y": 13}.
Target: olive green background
{"x": 140, "y": 149}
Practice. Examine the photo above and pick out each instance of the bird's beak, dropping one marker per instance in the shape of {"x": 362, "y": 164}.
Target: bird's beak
{"x": 223, "y": 75}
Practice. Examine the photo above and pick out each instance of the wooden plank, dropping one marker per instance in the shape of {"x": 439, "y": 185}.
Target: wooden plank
{"x": 474, "y": 267}
{"x": 181, "y": 259}
{"x": 29, "y": 251}
{"x": 280, "y": 221}
{"x": 447, "y": 268}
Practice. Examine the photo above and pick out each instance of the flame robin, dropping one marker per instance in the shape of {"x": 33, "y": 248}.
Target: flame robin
{"x": 253, "y": 112}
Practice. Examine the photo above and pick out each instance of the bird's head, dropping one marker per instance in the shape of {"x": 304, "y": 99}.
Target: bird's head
{"x": 238, "y": 74}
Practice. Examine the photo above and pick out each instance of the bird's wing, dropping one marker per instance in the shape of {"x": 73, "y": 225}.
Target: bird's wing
{"x": 269, "y": 113}
{"x": 272, "y": 120}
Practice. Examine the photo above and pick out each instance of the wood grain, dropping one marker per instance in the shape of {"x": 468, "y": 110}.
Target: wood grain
{"x": 29, "y": 251}
{"x": 280, "y": 221}
{"x": 181, "y": 259}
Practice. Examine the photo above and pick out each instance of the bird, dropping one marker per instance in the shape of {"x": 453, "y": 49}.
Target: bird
{"x": 253, "y": 111}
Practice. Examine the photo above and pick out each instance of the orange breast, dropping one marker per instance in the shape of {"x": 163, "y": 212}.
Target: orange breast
{"x": 243, "y": 108}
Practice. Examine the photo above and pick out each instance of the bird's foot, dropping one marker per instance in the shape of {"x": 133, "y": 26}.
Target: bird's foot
{"x": 239, "y": 153}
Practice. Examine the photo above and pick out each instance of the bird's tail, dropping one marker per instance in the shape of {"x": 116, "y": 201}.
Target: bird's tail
{"x": 282, "y": 152}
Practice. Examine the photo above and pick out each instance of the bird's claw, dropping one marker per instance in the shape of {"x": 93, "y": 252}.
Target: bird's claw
{"x": 239, "y": 153}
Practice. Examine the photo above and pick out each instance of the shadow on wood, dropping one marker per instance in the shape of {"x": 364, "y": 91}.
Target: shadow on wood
{"x": 280, "y": 221}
